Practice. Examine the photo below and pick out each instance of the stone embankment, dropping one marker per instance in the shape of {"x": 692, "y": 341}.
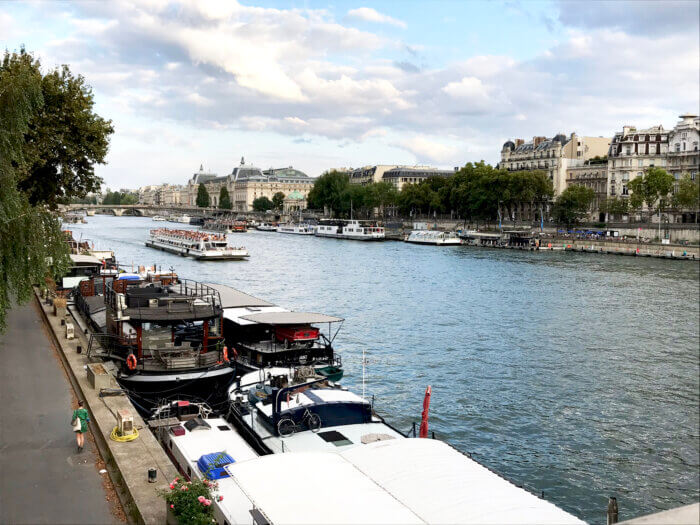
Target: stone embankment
{"x": 128, "y": 463}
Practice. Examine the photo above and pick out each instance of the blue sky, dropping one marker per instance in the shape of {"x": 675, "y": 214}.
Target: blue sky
{"x": 321, "y": 85}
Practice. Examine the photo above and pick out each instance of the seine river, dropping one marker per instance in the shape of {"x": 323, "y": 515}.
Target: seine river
{"x": 572, "y": 374}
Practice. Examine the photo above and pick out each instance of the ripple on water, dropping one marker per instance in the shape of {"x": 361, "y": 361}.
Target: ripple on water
{"x": 569, "y": 373}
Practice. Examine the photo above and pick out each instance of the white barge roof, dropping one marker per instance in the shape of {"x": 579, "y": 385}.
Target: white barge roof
{"x": 232, "y": 298}
{"x": 291, "y": 318}
{"x": 395, "y": 481}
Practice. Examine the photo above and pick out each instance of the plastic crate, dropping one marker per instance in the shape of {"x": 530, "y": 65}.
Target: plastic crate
{"x": 212, "y": 465}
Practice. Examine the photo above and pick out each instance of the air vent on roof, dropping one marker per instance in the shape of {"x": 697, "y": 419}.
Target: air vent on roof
{"x": 335, "y": 437}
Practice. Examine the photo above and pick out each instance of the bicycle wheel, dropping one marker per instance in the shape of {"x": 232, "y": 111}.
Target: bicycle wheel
{"x": 313, "y": 421}
{"x": 286, "y": 427}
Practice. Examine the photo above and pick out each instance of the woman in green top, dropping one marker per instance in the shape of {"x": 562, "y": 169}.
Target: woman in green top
{"x": 81, "y": 414}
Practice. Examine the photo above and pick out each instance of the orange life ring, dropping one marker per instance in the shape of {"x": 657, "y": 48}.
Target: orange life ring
{"x": 226, "y": 354}
{"x": 131, "y": 362}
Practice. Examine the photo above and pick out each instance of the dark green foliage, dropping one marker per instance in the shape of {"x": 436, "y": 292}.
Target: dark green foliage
{"x": 31, "y": 243}
{"x": 262, "y": 204}
{"x": 653, "y": 189}
{"x": 120, "y": 198}
{"x": 278, "y": 200}
{"x": 573, "y": 204}
{"x": 224, "y": 199}
{"x": 333, "y": 191}
{"x": 63, "y": 139}
{"x": 202, "y": 196}
{"x": 687, "y": 195}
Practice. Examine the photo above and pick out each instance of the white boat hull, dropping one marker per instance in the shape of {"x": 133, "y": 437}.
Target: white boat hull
{"x": 207, "y": 255}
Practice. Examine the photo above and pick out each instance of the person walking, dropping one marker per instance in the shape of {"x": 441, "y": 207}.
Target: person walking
{"x": 80, "y": 421}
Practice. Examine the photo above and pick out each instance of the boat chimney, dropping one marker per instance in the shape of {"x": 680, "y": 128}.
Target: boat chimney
{"x": 612, "y": 510}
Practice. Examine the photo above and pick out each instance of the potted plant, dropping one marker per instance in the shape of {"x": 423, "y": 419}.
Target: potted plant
{"x": 189, "y": 502}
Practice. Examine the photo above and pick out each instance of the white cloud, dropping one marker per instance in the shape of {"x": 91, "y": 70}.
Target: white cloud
{"x": 468, "y": 87}
{"x": 429, "y": 149}
{"x": 372, "y": 15}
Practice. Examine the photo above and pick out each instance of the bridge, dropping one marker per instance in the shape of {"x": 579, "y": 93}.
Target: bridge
{"x": 143, "y": 210}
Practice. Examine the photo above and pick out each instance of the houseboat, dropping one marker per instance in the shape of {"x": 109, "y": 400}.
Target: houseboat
{"x": 350, "y": 229}
{"x": 261, "y": 334}
{"x": 296, "y": 228}
{"x": 333, "y": 439}
{"x": 434, "y": 238}
{"x": 225, "y": 225}
{"x": 158, "y": 218}
{"x": 164, "y": 336}
{"x": 200, "y": 245}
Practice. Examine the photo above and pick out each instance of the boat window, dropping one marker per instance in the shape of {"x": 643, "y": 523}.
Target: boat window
{"x": 335, "y": 437}
{"x": 189, "y": 472}
{"x": 223, "y": 428}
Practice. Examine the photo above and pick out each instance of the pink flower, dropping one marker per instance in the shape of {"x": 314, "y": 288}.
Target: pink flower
{"x": 177, "y": 479}
{"x": 207, "y": 502}
{"x": 184, "y": 487}
{"x": 172, "y": 486}
{"x": 201, "y": 499}
{"x": 172, "y": 506}
{"x": 221, "y": 498}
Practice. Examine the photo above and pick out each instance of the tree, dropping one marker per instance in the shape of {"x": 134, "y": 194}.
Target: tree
{"x": 278, "y": 200}
{"x": 615, "y": 206}
{"x": 224, "y": 199}
{"x": 573, "y": 204}
{"x": 653, "y": 189}
{"x": 32, "y": 246}
{"x": 262, "y": 204}
{"x": 64, "y": 138}
{"x": 329, "y": 191}
{"x": 687, "y": 196}
{"x": 202, "y": 196}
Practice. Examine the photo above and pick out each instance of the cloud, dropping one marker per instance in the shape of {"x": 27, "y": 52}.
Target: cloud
{"x": 640, "y": 17}
{"x": 242, "y": 71}
{"x": 429, "y": 149}
{"x": 371, "y": 15}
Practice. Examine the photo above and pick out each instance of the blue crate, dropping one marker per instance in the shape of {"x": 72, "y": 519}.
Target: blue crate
{"x": 212, "y": 465}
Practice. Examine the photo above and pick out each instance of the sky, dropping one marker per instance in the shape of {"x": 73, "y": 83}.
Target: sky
{"x": 319, "y": 85}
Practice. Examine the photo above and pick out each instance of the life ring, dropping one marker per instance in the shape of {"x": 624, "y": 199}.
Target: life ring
{"x": 226, "y": 354}
{"x": 131, "y": 362}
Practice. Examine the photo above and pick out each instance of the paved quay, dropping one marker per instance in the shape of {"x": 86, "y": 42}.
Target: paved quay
{"x": 44, "y": 479}
{"x": 128, "y": 462}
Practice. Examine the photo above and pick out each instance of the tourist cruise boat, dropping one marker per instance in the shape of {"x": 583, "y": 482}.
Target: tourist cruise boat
{"x": 434, "y": 238}
{"x": 200, "y": 245}
{"x": 296, "y": 228}
{"x": 350, "y": 229}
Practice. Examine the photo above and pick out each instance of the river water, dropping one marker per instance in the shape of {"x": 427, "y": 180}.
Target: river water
{"x": 571, "y": 374}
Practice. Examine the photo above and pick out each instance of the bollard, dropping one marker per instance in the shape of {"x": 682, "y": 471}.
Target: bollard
{"x": 152, "y": 475}
{"x": 612, "y": 510}
{"x": 79, "y": 349}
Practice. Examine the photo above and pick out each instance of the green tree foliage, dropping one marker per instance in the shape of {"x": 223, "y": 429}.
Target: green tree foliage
{"x": 687, "y": 195}
{"x": 653, "y": 189}
{"x": 118, "y": 198}
{"x": 32, "y": 246}
{"x": 224, "y": 199}
{"x": 202, "y": 196}
{"x": 476, "y": 192}
{"x": 329, "y": 191}
{"x": 262, "y": 204}
{"x": 278, "y": 200}
{"x": 616, "y": 206}
{"x": 64, "y": 138}
{"x": 573, "y": 204}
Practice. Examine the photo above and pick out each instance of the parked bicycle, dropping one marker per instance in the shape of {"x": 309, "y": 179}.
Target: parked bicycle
{"x": 287, "y": 427}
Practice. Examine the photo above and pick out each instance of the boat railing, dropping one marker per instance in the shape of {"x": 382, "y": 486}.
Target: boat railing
{"x": 201, "y": 299}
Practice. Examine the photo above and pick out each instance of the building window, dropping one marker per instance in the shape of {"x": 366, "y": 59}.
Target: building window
{"x": 624, "y": 190}
{"x": 678, "y": 147}
{"x": 640, "y": 162}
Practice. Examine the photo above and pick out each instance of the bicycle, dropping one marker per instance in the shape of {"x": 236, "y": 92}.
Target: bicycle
{"x": 286, "y": 426}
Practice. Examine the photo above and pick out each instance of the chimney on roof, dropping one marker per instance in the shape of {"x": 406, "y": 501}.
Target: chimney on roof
{"x": 519, "y": 142}
{"x": 536, "y": 141}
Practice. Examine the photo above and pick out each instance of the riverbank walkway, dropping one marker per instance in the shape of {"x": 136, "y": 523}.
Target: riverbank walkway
{"x": 44, "y": 479}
